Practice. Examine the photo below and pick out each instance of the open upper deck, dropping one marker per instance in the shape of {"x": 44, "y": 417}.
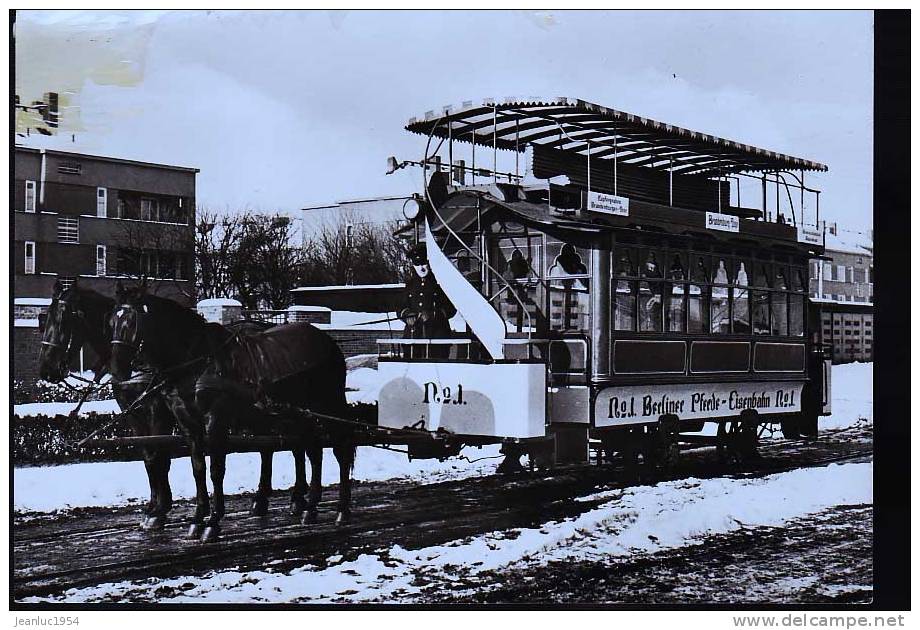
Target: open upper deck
{"x": 662, "y": 169}
{"x": 575, "y": 125}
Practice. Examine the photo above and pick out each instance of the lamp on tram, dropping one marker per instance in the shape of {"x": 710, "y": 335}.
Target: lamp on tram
{"x": 412, "y": 207}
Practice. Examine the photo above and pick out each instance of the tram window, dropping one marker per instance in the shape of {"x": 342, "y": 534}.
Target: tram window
{"x": 798, "y": 279}
{"x": 624, "y": 301}
{"x": 780, "y": 308}
{"x": 569, "y": 284}
{"x": 720, "y": 321}
{"x": 797, "y": 315}
{"x": 780, "y": 314}
{"x": 650, "y": 294}
{"x": 741, "y": 307}
{"x": 518, "y": 260}
{"x": 677, "y": 291}
{"x": 698, "y": 296}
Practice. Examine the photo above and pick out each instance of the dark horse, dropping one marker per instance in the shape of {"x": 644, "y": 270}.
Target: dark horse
{"x": 219, "y": 379}
{"x": 79, "y": 316}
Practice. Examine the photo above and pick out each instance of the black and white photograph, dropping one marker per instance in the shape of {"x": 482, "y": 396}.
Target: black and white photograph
{"x": 447, "y": 309}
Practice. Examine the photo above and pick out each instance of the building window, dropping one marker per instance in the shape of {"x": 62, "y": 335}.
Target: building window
{"x": 814, "y": 270}
{"x": 102, "y": 198}
{"x": 147, "y": 209}
{"x": 30, "y": 196}
{"x": 827, "y": 270}
{"x": 100, "y": 260}
{"x": 68, "y": 229}
{"x": 30, "y": 257}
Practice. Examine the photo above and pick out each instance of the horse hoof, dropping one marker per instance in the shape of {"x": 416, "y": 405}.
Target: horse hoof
{"x": 309, "y": 517}
{"x": 343, "y": 518}
{"x": 143, "y": 523}
{"x": 210, "y": 533}
{"x": 194, "y": 531}
{"x": 297, "y": 508}
{"x": 259, "y": 507}
{"x": 155, "y": 523}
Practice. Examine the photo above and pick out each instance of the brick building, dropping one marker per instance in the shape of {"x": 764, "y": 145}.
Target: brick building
{"x": 843, "y": 285}
{"x": 95, "y": 220}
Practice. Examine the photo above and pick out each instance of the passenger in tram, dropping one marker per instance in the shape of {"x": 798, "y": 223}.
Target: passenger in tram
{"x": 650, "y": 296}
{"x": 676, "y": 302}
{"x": 428, "y": 311}
{"x": 760, "y": 302}
{"x": 625, "y": 300}
{"x": 720, "y": 320}
{"x": 741, "y": 322}
{"x": 698, "y": 320}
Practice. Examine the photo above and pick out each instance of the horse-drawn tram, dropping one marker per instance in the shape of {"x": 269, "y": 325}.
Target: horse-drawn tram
{"x": 614, "y": 288}
{"x": 598, "y": 283}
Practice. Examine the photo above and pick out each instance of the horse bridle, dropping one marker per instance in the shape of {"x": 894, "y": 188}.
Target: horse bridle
{"x": 135, "y": 345}
{"x": 66, "y": 346}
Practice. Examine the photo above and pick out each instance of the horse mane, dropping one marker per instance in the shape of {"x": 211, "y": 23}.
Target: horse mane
{"x": 174, "y": 312}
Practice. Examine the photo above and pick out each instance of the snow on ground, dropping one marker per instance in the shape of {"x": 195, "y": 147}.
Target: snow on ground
{"x": 64, "y": 408}
{"x": 39, "y": 488}
{"x": 851, "y": 396}
{"x": 631, "y": 521}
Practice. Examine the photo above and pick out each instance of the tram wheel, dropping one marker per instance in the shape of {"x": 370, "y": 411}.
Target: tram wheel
{"x": 662, "y": 446}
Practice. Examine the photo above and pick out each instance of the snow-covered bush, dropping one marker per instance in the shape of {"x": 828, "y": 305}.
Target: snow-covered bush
{"x": 50, "y": 440}
{"x": 43, "y": 391}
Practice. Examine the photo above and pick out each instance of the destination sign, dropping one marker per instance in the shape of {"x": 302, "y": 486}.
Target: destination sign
{"x": 608, "y": 204}
{"x": 722, "y": 222}
{"x": 637, "y": 404}
{"x": 811, "y": 236}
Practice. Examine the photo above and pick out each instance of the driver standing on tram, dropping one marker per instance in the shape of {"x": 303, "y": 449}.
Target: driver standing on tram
{"x": 428, "y": 311}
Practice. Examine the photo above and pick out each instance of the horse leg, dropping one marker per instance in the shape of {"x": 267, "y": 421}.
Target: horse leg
{"x": 199, "y": 472}
{"x": 315, "y": 453}
{"x": 161, "y": 464}
{"x": 300, "y": 482}
{"x": 259, "y": 505}
{"x": 345, "y": 455}
{"x": 217, "y": 443}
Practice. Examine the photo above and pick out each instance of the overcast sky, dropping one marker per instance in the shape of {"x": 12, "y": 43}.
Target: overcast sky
{"x": 282, "y": 110}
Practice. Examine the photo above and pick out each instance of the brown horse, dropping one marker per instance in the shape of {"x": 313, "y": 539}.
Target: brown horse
{"x": 218, "y": 380}
{"x": 79, "y": 317}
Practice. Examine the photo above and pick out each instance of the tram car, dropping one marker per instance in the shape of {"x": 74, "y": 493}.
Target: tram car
{"x": 612, "y": 288}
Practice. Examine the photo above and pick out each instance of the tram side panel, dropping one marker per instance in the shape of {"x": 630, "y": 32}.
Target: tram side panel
{"x": 501, "y": 400}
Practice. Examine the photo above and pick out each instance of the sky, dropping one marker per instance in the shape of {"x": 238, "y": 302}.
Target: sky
{"x": 283, "y": 110}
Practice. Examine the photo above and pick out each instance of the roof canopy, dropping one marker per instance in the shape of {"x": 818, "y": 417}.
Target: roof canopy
{"x": 574, "y": 125}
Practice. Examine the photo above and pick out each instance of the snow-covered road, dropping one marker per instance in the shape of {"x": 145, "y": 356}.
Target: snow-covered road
{"x": 626, "y": 523}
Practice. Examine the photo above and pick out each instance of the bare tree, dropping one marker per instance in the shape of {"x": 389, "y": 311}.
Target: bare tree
{"x": 348, "y": 250}
{"x": 216, "y": 239}
{"x": 154, "y": 250}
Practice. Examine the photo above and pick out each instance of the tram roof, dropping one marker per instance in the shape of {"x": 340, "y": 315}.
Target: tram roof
{"x": 569, "y": 124}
